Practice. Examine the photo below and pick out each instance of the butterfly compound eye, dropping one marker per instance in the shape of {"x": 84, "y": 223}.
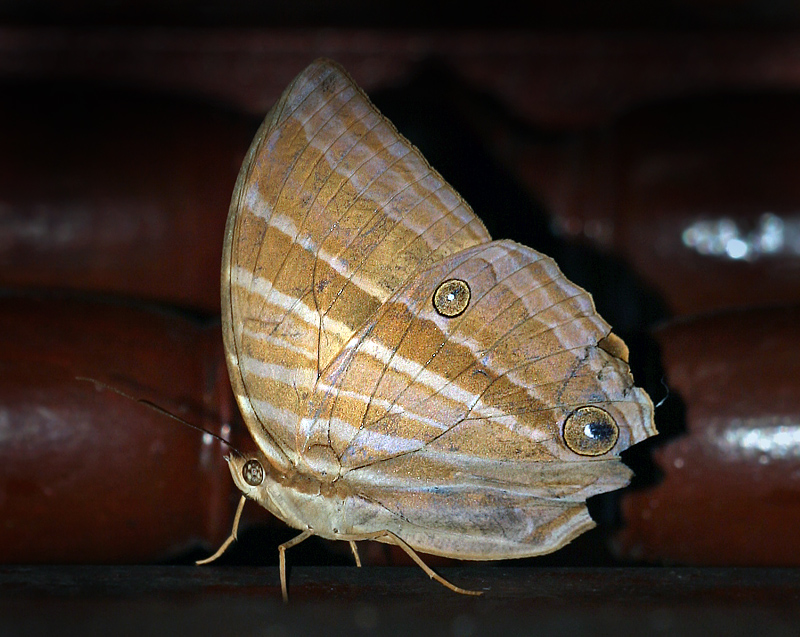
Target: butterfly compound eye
{"x": 253, "y": 473}
{"x": 590, "y": 431}
{"x": 451, "y": 297}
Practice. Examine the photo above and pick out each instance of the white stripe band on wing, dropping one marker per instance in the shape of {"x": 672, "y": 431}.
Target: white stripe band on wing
{"x": 286, "y": 225}
{"x": 368, "y": 439}
{"x": 299, "y": 378}
{"x": 263, "y": 287}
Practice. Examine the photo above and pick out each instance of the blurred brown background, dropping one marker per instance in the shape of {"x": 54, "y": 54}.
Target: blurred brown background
{"x": 653, "y": 151}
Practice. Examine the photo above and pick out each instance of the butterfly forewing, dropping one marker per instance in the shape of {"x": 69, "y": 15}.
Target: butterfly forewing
{"x": 333, "y": 213}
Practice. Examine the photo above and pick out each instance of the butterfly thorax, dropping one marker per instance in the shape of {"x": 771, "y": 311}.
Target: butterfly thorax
{"x": 329, "y": 508}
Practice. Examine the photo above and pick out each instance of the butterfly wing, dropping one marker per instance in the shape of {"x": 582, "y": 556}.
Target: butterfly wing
{"x": 454, "y": 427}
{"x": 333, "y": 211}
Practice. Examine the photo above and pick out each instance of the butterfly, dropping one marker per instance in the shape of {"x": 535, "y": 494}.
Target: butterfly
{"x": 405, "y": 378}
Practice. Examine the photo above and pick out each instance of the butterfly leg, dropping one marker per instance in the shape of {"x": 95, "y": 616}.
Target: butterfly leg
{"x": 391, "y": 538}
{"x": 231, "y": 538}
{"x": 282, "y": 559}
{"x": 354, "y": 548}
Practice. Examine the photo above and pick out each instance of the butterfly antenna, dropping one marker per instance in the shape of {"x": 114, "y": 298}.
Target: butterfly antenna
{"x": 666, "y": 395}
{"x": 160, "y": 410}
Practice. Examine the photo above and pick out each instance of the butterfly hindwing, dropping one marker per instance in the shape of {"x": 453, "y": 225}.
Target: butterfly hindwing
{"x": 424, "y": 414}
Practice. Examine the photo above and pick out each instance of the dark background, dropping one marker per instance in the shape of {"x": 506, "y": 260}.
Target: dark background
{"x": 595, "y": 132}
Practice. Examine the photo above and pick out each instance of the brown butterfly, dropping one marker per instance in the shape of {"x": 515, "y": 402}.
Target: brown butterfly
{"x": 407, "y": 379}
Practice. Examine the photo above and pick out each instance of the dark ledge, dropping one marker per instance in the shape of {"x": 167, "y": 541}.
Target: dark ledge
{"x": 348, "y": 601}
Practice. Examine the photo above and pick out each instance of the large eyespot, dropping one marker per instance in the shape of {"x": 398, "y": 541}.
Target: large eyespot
{"x": 590, "y": 431}
{"x": 253, "y": 473}
{"x": 451, "y": 297}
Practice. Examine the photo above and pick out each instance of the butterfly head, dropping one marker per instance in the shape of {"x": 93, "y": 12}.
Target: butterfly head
{"x": 251, "y": 475}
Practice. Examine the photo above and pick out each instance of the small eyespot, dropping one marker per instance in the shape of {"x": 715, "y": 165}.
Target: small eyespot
{"x": 590, "y": 431}
{"x": 253, "y": 473}
{"x": 451, "y": 297}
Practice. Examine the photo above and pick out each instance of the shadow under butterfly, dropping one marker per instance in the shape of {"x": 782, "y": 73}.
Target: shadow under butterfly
{"x": 405, "y": 378}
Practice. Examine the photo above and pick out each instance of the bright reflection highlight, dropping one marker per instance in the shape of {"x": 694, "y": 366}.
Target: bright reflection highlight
{"x": 723, "y": 238}
{"x": 776, "y": 438}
